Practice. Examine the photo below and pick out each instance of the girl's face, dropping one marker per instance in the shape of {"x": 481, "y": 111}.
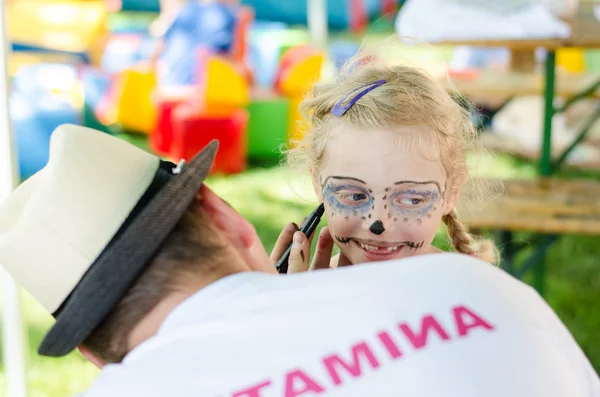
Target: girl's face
{"x": 382, "y": 201}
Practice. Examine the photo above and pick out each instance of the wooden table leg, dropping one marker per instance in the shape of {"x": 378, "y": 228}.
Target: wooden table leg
{"x": 522, "y": 60}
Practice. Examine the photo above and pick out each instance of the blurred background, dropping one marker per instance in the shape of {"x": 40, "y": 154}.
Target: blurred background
{"x": 171, "y": 75}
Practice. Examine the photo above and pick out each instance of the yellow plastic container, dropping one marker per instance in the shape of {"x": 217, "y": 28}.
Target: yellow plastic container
{"x": 570, "y": 59}
{"x": 226, "y": 87}
{"x": 72, "y": 26}
{"x": 135, "y": 108}
{"x": 297, "y": 125}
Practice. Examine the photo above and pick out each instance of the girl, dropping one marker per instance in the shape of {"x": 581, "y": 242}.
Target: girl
{"x": 386, "y": 148}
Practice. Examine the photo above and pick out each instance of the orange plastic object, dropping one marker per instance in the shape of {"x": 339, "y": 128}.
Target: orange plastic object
{"x": 193, "y": 130}
{"x": 358, "y": 16}
{"x": 135, "y": 109}
{"x": 388, "y": 7}
{"x": 464, "y": 74}
{"x": 240, "y": 43}
{"x": 289, "y": 57}
{"x": 299, "y": 71}
{"x": 242, "y": 29}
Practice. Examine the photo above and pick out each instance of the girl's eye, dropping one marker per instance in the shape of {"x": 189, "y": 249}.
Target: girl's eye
{"x": 350, "y": 198}
{"x": 410, "y": 201}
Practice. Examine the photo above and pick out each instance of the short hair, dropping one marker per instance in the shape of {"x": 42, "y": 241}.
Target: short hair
{"x": 191, "y": 250}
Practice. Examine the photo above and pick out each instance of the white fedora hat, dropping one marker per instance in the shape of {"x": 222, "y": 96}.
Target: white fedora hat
{"x": 78, "y": 233}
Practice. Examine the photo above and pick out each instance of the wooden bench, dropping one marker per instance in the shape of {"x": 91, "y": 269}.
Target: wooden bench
{"x": 588, "y": 155}
{"x": 499, "y": 84}
{"x": 549, "y": 207}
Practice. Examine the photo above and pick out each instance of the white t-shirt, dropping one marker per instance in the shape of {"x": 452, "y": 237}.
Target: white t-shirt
{"x": 432, "y": 325}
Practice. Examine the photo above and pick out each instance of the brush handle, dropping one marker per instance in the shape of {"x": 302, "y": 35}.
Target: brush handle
{"x": 308, "y": 228}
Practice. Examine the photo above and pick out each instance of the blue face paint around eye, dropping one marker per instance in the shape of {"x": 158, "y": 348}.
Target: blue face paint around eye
{"x": 432, "y": 194}
{"x": 344, "y": 205}
{"x": 423, "y": 205}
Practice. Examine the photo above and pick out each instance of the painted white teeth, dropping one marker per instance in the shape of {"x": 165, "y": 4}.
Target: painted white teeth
{"x": 368, "y": 247}
{"x": 375, "y": 248}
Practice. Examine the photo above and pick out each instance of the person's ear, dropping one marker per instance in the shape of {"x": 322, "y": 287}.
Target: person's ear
{"x": 238, "y": 231}
{"x": 235, "y": 227}
{"x": 451, "y": 198}
{"x": 316, "y": 185}
{"x": 91, "y": 357}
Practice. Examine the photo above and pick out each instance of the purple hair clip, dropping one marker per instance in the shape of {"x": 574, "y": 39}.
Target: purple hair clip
{"x": 339, "y": 110}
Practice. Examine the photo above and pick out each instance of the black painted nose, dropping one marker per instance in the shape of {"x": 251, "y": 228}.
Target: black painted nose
{"x": 377, "y": 228}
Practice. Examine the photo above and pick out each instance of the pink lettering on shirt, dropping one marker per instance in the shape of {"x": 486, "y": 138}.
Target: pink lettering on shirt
{"x": 466, "y": 319}
{"x": 428, "y": 324}
{"x": 298, "y": 383}
{"x": 389, "y": 344}
{"x": 335, "y": 363}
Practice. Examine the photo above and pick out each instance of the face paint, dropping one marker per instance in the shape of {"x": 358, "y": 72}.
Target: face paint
{"x": 414, "y": 200}
{"x": 377, "y": 228}
{"x": 346, "y": 196}
{"x": 343, "y": 240}
{"x": 409, "y": 201}
{"x": 413, "y": 245}
{"x": 374, "y": 250}
{"x": 384, "y": 200}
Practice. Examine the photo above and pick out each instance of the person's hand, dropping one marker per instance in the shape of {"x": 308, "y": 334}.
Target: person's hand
{"x": 283, "y": 241}
{"x": 300, "y": 253}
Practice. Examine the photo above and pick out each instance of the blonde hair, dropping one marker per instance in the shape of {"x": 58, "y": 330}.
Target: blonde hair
{"x": 409, "y": 97}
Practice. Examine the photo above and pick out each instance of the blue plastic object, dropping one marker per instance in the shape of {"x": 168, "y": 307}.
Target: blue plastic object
{"x": 295, "y": 12}
{"x": 292, "y": 12}
{"x": 341, "y": 51}
{"x": 140, "y": 5}
{"x": 125, "y": 51}
{"x": 197, "y": 26}
{"x": 36, "y": 111}
{"x": 265, "y": 50}
{"x": 20, "y": 47}
{"x": 96, "y": 85}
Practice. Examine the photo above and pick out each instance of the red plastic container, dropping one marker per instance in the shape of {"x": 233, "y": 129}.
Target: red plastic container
{"x": 193, "y": 130}
{"x": 161, "y": 138}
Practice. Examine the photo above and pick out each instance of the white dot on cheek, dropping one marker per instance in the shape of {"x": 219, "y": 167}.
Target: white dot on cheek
{"x": 390, "y": 227}
{"x": 366, "y": 224}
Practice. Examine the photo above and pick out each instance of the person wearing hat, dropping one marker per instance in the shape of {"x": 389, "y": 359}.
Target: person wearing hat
{"x": 169, "y": 290}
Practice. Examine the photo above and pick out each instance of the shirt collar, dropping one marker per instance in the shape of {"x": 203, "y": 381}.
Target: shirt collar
{"x": 196, "y": 306}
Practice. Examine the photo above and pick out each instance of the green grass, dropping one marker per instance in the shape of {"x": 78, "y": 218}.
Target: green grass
{"x": 269, "y": 200}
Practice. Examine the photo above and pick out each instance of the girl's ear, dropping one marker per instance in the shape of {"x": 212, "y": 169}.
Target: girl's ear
{"x": 451, "y": 198}
{"x": 316, "y": 185}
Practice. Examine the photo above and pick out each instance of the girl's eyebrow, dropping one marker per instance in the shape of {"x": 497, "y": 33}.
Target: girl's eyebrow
{"x": 419, "y": 183}
{"x": 349, "y": 178}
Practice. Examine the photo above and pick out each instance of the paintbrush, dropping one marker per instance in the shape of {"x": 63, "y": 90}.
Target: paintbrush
{"x": 308, "y": 228}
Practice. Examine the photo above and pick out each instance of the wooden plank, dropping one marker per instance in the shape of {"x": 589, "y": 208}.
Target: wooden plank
{"x": 525, "y": 44}
{"x": 522, "y": 60}
{"x": 503, "y": 84}
{"x": 543, "y": 206}
{"x": 585, "y": 27}
{"x": 511, "y": 144}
